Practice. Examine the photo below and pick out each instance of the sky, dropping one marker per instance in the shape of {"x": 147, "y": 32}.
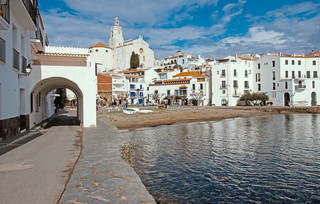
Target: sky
{"x": 210, "y": 28}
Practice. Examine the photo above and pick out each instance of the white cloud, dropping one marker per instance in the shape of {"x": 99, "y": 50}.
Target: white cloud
{"x": 257, "y": 35}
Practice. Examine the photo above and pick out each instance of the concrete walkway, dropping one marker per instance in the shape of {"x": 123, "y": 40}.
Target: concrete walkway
{"x": 101, "y": 176}
{"x": 38, "y": 169}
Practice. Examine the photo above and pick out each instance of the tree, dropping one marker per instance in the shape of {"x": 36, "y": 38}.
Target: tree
{"x": 134, "y": 60}
{"x": 106, "y": 96}
{"x": 255, "y": 98}
{"x": 247, "y": 97}
{"x": 61, "y": 100}
{"x": 157, "y": 97}
{"x": 197, "y": 96}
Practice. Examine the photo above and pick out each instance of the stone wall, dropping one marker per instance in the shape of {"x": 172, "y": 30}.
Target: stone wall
{"x": 9, "y": 127}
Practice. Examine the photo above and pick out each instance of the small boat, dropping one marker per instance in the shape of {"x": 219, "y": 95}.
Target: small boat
{"x": 129, "y": 110}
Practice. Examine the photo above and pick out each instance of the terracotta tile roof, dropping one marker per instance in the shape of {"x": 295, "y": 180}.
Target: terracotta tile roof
{"x": 199, "y": 76}
{"x": 100, "y": 45}
{"x": 182, "y": 74}
{"x": 183, "y": 87}
{"x": 134, "y": 71}
{"x": 171, "y": 82}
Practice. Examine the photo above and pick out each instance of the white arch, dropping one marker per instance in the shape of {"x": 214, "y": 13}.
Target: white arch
{"x": 46, "y": 85}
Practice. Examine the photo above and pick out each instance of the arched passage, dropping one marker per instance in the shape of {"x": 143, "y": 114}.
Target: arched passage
{"x": 286, "y": 99}
{"x": 41, "y": 90}
{"x": 313, "y": 99}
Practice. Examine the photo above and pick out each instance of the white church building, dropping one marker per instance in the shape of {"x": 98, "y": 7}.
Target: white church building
{"x": 117, "y": 54}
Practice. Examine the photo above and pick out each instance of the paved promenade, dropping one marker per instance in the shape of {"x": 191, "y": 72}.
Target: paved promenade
{"x": 101, "y": 176}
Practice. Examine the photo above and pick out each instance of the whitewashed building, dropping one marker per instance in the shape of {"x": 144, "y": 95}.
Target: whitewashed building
{"x": 117, "y": 54}
{"x": 21, "y": 36}
{"x": 231, "y": 77}
{"x": 288, "y": 80}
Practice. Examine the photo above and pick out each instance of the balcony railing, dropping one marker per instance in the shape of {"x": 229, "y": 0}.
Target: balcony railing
{"x": 300, "y": 86}
{"x": 5, "y": 11}
{"x": 222, "y": 87}
{"x": 16, "y": 59}
{"x": 222, "y": 75}
{"x": 24, "y": 65}
{"x": 2, "y": 50}
{"x": 32, "y": 9}
{"x": 39, "y": 36}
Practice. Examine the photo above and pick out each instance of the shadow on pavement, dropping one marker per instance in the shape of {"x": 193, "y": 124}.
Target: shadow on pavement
{"x": 63, "y": 120}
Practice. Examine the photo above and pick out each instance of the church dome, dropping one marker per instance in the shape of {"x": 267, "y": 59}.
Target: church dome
{"x": 100, "y": 45}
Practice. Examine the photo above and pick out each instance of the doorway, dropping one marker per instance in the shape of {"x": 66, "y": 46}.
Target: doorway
{"x": 286, "y": 99}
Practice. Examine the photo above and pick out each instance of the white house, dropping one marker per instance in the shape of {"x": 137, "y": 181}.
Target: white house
{"x": 21, "y": 36}
{"x": 231, "y": 77}
{"x": 288, "y": 80}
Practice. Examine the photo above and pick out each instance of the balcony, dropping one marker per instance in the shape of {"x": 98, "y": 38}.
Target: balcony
{"x": 223, "y": 87}
{"x": 36, "y": 40}
{"x": 26, "y": 13}
{"x": 16, "y": 59}
{"x": 5, "y": 15}
{"x": 2, "y": 50}
{"x": 300, "y": 86}
{"x": 222, "y": 76}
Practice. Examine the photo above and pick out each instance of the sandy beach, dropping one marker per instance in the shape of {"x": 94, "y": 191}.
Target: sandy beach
{"x": 167, "y": 116}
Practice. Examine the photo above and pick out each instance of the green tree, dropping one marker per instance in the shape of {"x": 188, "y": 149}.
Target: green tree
{"x": 134, "y": 60}
{"x": 61, "y": 100}
{"x": 255, "y": 98}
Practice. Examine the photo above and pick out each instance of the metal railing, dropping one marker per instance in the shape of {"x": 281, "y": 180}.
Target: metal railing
{"x": 5, "y": 8}
{"x": 16, "y": 59}
{"x": 32, "y": 9}
{"x": 2, "y": 50}
{"x": 300, "y": 86}
{"x": 24, "y": 65}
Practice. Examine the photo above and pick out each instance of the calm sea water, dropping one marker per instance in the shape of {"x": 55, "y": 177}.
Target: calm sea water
{"x": 269, "y": 159}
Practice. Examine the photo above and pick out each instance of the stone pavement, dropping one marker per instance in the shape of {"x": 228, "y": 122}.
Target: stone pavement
{"x": 101, "y": 175}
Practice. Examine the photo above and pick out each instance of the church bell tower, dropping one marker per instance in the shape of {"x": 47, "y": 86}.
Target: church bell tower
{"x": 116, "y": 38}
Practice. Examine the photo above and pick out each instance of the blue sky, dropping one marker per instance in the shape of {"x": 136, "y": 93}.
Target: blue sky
{"x": 211, "y": 28}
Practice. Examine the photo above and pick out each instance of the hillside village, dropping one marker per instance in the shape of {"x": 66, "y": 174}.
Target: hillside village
{"x": 28, "y": 63}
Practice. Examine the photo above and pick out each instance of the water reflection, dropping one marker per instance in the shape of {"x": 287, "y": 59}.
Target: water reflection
{"x": 259, "y": 159}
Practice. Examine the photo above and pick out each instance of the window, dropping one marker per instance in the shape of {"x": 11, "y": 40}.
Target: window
{"x": 245, "y": 73}
{"x": 168, "y": 92}
{"x": 314, "y": 62}
{"x": 299, "y": 74}
{"x": 315, "y": 74}
{"x": 223, "y": 74}
{"x": 2, "y": 50}
{"x": 223, "y": 85}
{"x": 259, "y": 77}
{"x": 147, "y": 88}
{"x": 292, "y": 62}
{"x": 287, "y": 74}
{"x": 259, "y": 87}
{"x": 176, "y": 92}
{"x": 31, "y": 102}
{"x": 274, "y": 94}
{"x": 313, "y": 84}
{"x": 256, "y": 77}
{"x": 293, "y": 75}
{"x": 273, "y": 63}
{"x": 286, "y": 62}
{"x": 156, "y": 92}
{"x": 193, "y": 87}
{"x": 299, "y": 62}
{"x": 141, "y": 87}
{"x": 246, "y": 84}
{"x": 274, "y": 86}
{"x": 308, "y": 74}
{"x": 273, "y": 75}
{"x": 201, "y": 86}
{"x": 96, "y": 50}
{"x": 235, "y": 84}
{"x": 235, "y": 72}
{"x": 223, "y": 91}
{"x": 141, "y": 94}
{"x": 286, "y": 85}
{"x": 258, "y": 65}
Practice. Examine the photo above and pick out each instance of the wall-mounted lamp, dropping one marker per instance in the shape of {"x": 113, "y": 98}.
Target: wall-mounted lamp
{"x": 26, "y": 72}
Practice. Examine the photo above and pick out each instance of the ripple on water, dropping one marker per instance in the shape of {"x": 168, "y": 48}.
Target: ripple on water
{"x": 260, "y": 159}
